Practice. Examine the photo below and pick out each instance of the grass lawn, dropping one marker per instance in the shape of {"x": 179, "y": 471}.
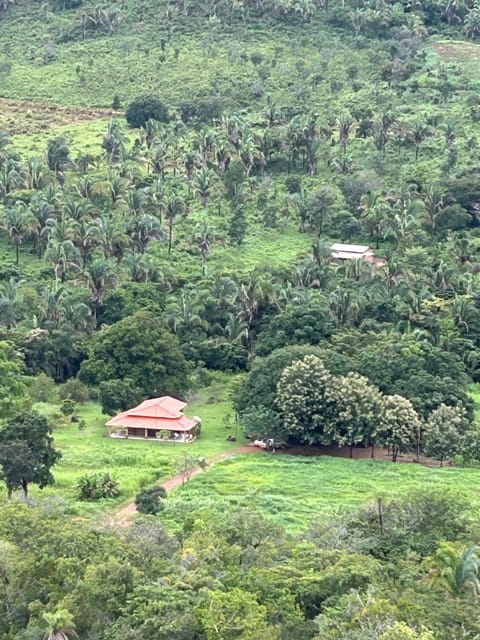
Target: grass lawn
{"x": 292, "y": 490}
{"x": 134, "y": 463}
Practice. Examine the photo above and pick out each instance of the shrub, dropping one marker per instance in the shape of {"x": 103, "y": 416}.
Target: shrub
{"x": 150, "y": 500}
{"x": 143, "y": 108}
{"x": 118, "y": 395}
{"x": 75, "y": 390}
{"x": 68, "y": 407}
{"x": 42, "y": 388}
{"x": 116, "y": 104}
{"x": 94, "y": 486}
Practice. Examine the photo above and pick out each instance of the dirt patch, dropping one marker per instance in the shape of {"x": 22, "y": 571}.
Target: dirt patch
{"x": 357, "y": 453}
{"x": 457, "y": 51}
{"x": 23, "y": 116}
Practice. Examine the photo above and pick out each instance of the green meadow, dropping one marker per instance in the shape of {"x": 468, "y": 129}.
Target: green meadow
{"x": 294, "y": 490}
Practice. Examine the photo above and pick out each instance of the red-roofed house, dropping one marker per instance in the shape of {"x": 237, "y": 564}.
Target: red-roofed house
{"x": 158, "y": 419}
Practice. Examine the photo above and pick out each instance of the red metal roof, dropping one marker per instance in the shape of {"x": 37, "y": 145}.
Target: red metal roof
{"x": 156, "y": 413}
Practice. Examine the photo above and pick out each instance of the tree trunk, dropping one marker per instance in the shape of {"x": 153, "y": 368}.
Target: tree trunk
{"x": 17, "y": 253}
{"x": 380, "y": 514}
{"x": 25, "y": 488}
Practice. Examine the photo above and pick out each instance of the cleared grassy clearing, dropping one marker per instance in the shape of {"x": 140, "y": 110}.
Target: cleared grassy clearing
{"x": 134, "y": 463}
{"x": 292, "y": 490}
{"x": 19, "y": 117}
{"x": 457, "y": 51}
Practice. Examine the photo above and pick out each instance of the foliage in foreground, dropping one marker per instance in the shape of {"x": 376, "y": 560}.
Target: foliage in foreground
{"x": 94, "y": 486}
{"x": 381, "y": 572}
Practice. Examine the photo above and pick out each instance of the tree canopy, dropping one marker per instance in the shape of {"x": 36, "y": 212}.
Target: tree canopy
{"x": 27, "y": 453}
{"x": 138, "y": 348}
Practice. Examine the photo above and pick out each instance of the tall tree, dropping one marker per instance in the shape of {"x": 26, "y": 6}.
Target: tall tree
{"x": 27, "y": 454}
{"x": 358, "y": 410}
{"x": 400, "y": 426}
{"x": 303, "y": 400}
{"x": 444, "y": 431}
{"x": 140, "y": 348}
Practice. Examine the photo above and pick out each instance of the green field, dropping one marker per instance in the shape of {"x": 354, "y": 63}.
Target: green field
{"x": 134, "y": 463}
{"x": 290, "y": 489}
{"x": 293, "y": 490}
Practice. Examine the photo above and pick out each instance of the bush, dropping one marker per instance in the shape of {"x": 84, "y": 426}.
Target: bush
{"x": 94, "y": 486}
{"x": 75, "y": 390}
{"x": 118, "y": 395}
{"x": 143, "y": 108}
{"x": 68, "y": 407}
{"x": 42, "y": 388}
{"x": 150, "y": 500}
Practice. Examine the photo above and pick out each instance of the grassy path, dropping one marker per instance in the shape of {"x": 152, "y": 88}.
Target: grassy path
{"x": 124, "y": 516}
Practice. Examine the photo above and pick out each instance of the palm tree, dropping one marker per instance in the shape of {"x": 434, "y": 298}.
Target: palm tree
{"x": 204, "y": 239}
{"x": 99, "y": 277}
{"x": 51, "y": 307}
{"x": 374, "y": 214}
{"x": 418, "y": 135}
{"x": 10, "y": 298}
{"x": 42, "y": 211}
{"x": 436, "y": 200}
{"x": 116, "y": 188}
{"x": 457, "y": 570}
{"x": 77, "y": 209}
{"x": 60, "y": 625}
{"x": 62, "y": 254}
{"x": 114, "y": 142}
{"x": 187, "y": 311}
{"x": 34, "y": 174}
{"x": 345, "y": 126}
{"x": 141, "y": 269}
{"x": 173, "y": 206}
{"x": 235, "y": 329}
{"x": 204, "y": 180}
{"x": 85, "y": 239}
{"x": 18, "y": 221}
{"x": 10, "y": 177}
{"x": 143, "y": 229}
{"x": 110, "y": 234}
{"x": 136, "y": 201}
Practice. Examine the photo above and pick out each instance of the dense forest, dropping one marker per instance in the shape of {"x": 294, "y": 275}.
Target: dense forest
{"x": 172, "y": 177}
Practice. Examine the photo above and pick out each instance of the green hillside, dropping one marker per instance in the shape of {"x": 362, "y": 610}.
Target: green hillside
{"x": 173, "y": 175}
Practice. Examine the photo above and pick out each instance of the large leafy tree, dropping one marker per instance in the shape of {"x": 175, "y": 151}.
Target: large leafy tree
{"x": 27, "y": 454}
{"x": 399, "y": 430}
{"x": 143, "y": 108}
{"x": 303, "y": 400}
{"x": 444, "y": 432}
{"x": 140, "y": 348}
{"x": 359, "y": 409}
{"x": 259, "y": 388}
